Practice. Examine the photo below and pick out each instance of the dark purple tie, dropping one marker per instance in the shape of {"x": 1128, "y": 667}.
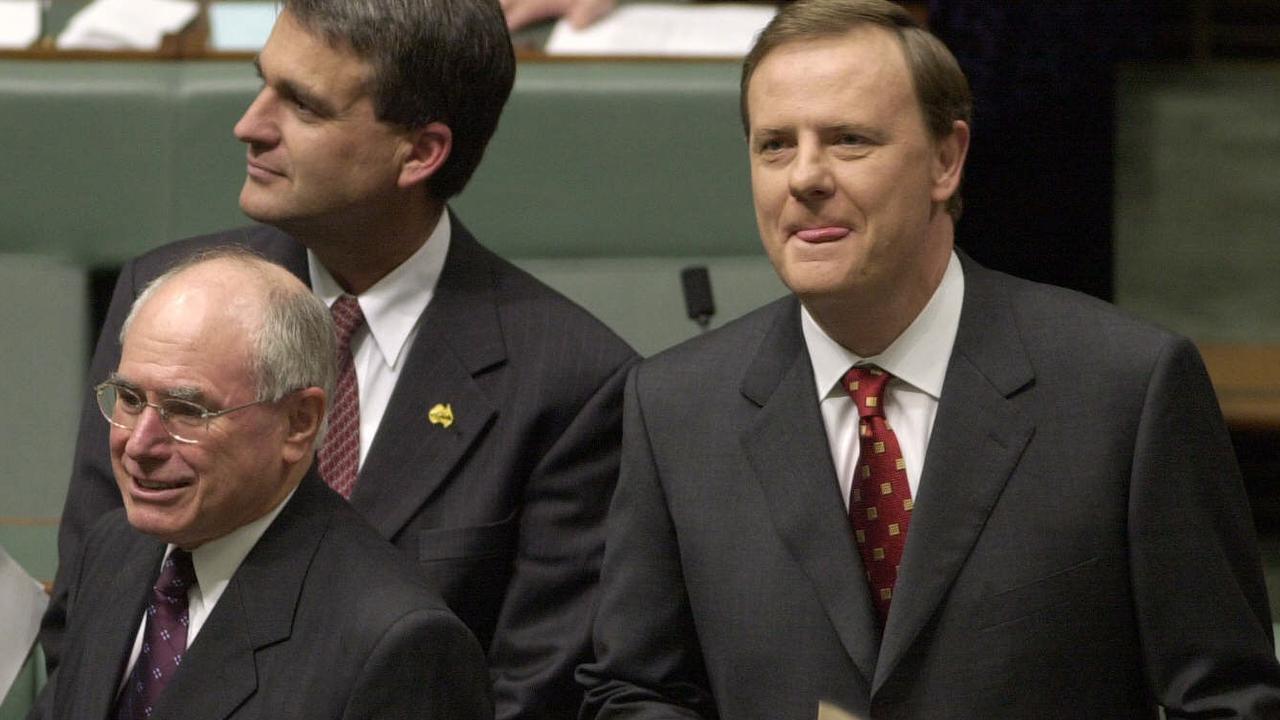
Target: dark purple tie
{"x": 340, "y": 455}
{"x": 163, "y": 641}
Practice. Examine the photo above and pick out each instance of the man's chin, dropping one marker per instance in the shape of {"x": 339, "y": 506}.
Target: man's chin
{"x": 259, "y": 208}
{"x": 162, "y": 527}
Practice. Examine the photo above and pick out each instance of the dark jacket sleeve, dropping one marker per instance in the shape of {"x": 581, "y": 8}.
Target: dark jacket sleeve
{"x": 1197, "y": 580}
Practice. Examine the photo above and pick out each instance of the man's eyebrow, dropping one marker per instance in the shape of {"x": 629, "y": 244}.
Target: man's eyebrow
{"x": 292, "y": 91}
{"x": 184, "y": 392}
{"x": 190, "y": 393}
{"x": 116, "y": 378}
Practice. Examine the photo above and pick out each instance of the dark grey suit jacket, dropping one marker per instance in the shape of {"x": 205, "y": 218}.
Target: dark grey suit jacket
{"x": 323, "y": 619}
{"x": 1081, "y": 545}
{"x": 504, "y": 509}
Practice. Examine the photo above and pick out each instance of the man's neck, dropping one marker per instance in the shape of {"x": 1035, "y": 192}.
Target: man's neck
{"x": 361, "y": 253}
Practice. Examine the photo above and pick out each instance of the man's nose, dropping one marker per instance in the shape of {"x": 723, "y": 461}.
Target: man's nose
{"x": 810, "y": 173}
{"x": 258, "y": 126}
{"x": 149, "y": 436}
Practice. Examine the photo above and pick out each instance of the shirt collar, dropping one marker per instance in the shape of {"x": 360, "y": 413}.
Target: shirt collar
{"x": 217, "y": 560}
{"x": 393, "y": 305}
{"x": 918, "y": 356}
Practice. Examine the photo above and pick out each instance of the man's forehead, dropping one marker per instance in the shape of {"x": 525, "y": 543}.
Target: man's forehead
{"x": 304, "y": 54}
{"x": 201, "y": 304}
{"x": 866, "y": 61}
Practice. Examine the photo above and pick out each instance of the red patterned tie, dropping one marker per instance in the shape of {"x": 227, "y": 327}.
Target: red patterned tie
{"x": 340, "y": 456}
{"x": 164, "y": 640}
{"x": 880, "y": 502}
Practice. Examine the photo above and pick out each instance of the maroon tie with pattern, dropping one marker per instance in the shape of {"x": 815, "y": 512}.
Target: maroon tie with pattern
{"x": 340, "y": 455}
{"x": 164, "y": 641}
{"x": 880, "y": 502}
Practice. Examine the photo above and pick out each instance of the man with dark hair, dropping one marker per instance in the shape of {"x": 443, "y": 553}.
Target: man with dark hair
{"x": 234, "y": 583}
{"x": 917, "y": 488}
{"x": 477, "y": 413}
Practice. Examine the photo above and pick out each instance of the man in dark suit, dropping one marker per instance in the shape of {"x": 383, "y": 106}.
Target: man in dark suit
{"x": 489, "y": 407}
{"x": 918, "y": 488}
{"x": 234, "y": 583}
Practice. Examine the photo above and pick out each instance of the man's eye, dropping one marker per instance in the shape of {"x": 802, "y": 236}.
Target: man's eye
{"x": 183, "y": 410}
{"x": 303, "y": 109}
{"x": 129, "y": 401}
{"x": 769, "y": 146}
{"x": 851, "y": 139}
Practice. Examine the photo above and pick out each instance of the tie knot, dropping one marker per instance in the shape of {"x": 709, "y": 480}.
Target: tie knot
{"x": 347, "y": 318}
{"x": 865, "y": 384}
{"x": 177, "y": 575}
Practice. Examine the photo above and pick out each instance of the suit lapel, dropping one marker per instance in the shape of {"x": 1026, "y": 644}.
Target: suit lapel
{"x": 459, "y": 336}
{"x": 787, "y": 448}
{"x": 255, "y": 611}
{"x": 977, "y": 439}
{"x": 114, "y": 621}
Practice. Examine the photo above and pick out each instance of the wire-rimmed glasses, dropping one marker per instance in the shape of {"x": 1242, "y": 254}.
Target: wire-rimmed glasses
{"x": 185, "y": 421}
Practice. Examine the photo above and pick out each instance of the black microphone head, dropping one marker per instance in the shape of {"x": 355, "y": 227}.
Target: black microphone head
{"x": 697, "y": 293}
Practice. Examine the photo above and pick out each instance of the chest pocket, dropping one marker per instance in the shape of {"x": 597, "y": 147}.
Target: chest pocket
{"x": 471, "y": 567}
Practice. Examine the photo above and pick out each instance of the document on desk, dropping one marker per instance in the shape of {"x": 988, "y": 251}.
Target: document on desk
{"x": 22, "y": 602}
{"x": 726, "y": 30}
{"x": 831, "y": 711}
{"x": 126, "y": 24}
{"x": 19, "y": 23}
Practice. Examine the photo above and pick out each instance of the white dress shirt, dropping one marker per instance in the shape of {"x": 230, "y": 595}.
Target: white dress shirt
{"x": 917, "y": 359}
{"x": 391, "y": 310}
{"x": 214, "y": 562}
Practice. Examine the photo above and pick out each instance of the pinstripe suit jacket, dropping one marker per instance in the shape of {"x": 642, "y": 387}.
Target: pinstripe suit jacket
{"x": 504, "y": 508}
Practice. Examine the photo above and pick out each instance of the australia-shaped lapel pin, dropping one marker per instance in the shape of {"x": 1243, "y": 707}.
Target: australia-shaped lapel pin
{"x": 441, "y": 414}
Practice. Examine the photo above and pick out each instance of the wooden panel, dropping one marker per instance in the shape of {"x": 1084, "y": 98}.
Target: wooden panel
{"x": 1247, "y": 380}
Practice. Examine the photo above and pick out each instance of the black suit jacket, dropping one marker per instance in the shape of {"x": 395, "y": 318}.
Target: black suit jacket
{"x": 323, "y": 619}
{"x": 505, "y": 508}
{"x": 1081, "y": 544}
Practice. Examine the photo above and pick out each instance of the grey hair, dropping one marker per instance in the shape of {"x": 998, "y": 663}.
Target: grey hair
{"x": 292, "y": 345}
{"x": 448, "y": 61}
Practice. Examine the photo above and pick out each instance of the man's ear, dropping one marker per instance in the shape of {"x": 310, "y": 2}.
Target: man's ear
{"x": 948, "y": 161}
{"x": 304, "y": 412}
{"x": 428, "y": 148}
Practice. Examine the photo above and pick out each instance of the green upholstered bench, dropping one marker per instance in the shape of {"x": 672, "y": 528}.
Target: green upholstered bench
{"x": 604, "y": 178}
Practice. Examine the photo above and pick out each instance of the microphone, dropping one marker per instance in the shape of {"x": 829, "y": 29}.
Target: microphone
{"x": 697, "y": 295}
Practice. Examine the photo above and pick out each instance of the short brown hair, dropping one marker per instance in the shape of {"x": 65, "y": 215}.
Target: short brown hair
{"x": 940, "y": 86}
{"x": 448, "y": 61}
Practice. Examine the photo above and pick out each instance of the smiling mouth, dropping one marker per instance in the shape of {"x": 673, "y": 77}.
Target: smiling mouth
{"x": 262, "y": 171}
{"x": 154, "y": 485}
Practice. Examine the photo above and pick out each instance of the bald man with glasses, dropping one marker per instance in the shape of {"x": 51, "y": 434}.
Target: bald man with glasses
{"x": 234, "y": 580}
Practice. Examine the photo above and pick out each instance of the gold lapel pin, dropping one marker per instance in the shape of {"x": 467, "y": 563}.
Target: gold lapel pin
{"x": 441, "y": 414}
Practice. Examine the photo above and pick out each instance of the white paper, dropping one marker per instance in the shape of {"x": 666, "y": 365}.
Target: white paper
{"x": 241, "y": 26}
{"x": 674, "y": 30}
{"x": 126, "y": 24}
{"x": 830, "y": 711}
{"x": 19, "y": 24}
{"x": 22, "y": 602}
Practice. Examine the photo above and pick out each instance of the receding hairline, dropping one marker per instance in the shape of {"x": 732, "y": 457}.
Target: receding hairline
{"x": 843, "y": 33}
{"x": 267, "y": 278}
